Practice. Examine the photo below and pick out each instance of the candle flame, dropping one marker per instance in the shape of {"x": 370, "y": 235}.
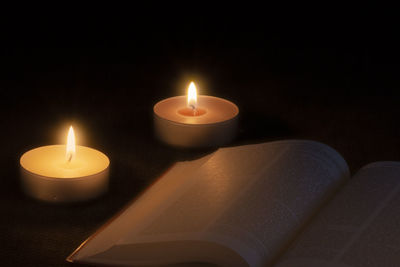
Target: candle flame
{"x": 192, "y": 96}
{"x": 70, "y": 153}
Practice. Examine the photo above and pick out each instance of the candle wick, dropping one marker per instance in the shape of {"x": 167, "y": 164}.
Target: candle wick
{"x": 194, "y": 109}
{"x": 70, "y": 157}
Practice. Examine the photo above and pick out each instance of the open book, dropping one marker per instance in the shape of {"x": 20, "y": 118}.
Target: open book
{"x": 284, "y": 203}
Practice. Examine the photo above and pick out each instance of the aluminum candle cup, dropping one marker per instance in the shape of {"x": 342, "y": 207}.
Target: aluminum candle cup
{"x": 64, "y": 173}
{"x": 46, "y": 175}
{"x": 212, "y": 123}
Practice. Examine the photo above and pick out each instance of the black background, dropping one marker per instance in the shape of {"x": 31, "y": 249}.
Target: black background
{"x": 331, "y": 78}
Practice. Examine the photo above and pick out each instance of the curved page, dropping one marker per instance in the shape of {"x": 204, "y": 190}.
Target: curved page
{"x": 237, "y": 207}
{"x": 358, "y": 228}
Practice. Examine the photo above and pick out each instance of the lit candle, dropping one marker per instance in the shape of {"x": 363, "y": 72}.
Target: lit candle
{"x": 64, "y": 173}
{"x": 195, "y": 120}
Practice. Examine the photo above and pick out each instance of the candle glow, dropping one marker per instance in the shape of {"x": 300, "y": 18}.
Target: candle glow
{"x": 64, "y": 173}
{"x": 195, "y": 120}
{"x": 70, "y": 149}
{"x": 192, "y": 96}
{"x": 191, "y": 109}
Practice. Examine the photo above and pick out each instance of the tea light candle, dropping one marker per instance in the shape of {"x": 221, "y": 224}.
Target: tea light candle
{"x": 195, "y": 121}
{"x": 64, "y": 173}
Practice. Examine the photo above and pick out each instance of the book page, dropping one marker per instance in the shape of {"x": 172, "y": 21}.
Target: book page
{"x": 140, "y": 211}
{"x": 360, "y": 227}
{"x": 285, "y": 184}
{"x": 249, "y": 199}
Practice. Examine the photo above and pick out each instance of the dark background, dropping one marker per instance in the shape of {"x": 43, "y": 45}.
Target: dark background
{"x": 324, "y": 78}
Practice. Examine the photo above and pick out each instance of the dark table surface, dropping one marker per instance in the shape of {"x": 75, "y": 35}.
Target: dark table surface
{"x": 339, "y": 88}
